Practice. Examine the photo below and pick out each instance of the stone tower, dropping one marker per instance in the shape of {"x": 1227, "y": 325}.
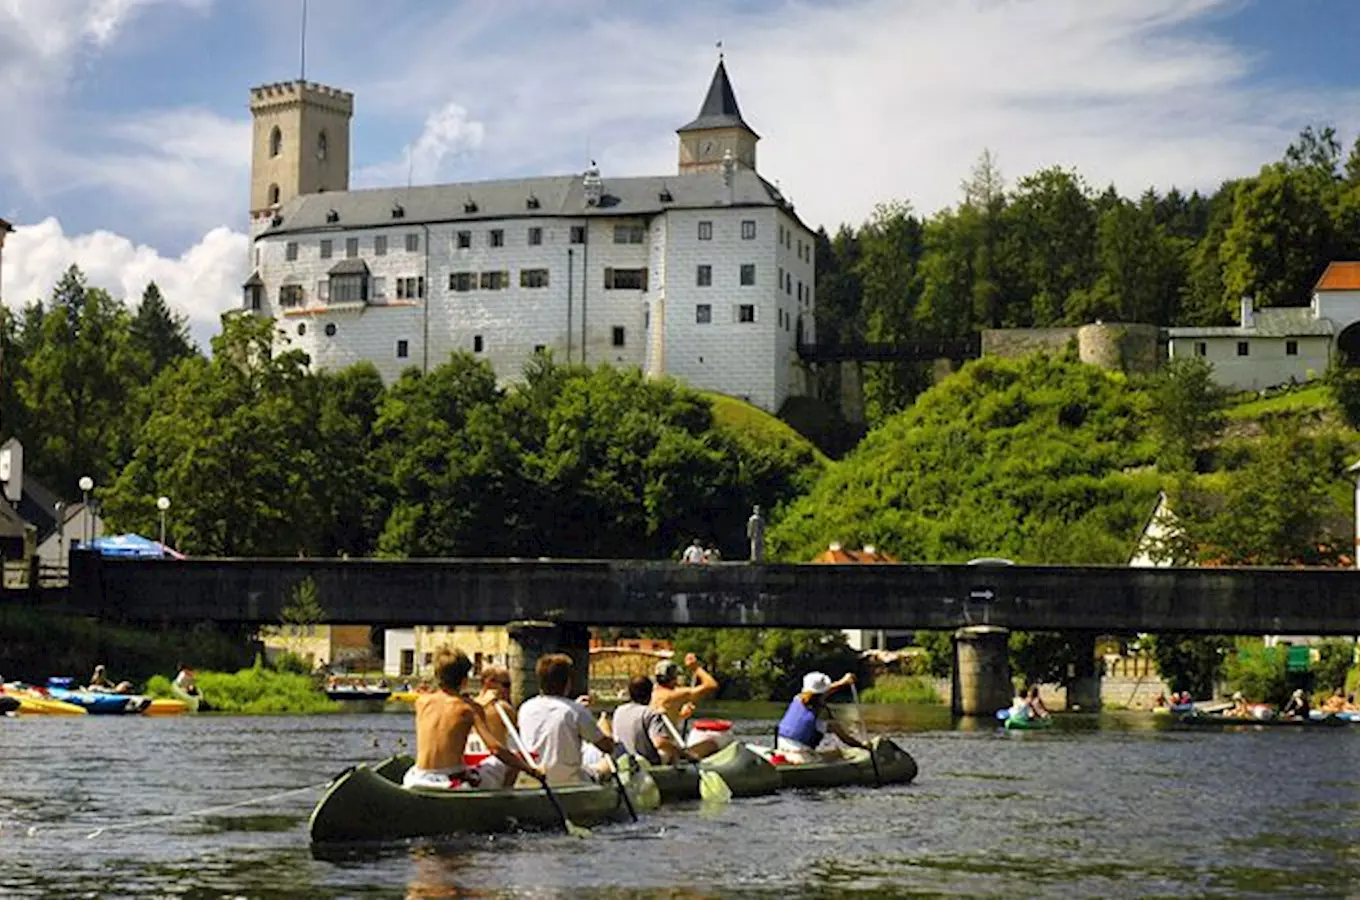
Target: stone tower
{"x": 299, "y": 144}
{"x": 718, "y": 131}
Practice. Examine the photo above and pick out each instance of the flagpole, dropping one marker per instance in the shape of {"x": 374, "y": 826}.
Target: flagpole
{"x": 302, "y": 75}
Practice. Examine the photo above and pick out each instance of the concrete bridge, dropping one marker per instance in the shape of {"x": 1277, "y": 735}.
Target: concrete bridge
{"x": 550, "y": 603}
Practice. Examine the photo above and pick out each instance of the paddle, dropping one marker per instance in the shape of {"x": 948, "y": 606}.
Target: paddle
{"x": 864, "y": 734}
{"x": 568, "y": 825}
{"x": 623, "y": 791}
{"x": 712, "y": 786}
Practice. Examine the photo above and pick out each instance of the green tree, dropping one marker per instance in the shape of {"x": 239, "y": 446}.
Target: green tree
{"x": 159, "y": 334}
{"x": 890, "y": 247}
{"x": 1141, "y": 271}
{"x": 1343, "y": 383}
{"x": 769, "y": 663}
{"x": 1189, "y": 662}
{"x": 1187, "y": 412}
{"x": 1050, "y": 248}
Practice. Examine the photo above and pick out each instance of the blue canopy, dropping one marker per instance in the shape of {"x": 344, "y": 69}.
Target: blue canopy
{"x": 129, "y": 545}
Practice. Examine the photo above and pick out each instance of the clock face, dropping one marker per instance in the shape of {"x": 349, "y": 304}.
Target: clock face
{"x": 706, "y": 149}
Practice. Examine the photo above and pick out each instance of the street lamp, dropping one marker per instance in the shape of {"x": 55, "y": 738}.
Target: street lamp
{"x": 163, "y": 504}
{"x": 87, "y": 485}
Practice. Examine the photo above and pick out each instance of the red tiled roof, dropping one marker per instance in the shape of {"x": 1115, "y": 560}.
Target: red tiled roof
{"x": 837, "y": 554}
{"x": 1340, "y": 276}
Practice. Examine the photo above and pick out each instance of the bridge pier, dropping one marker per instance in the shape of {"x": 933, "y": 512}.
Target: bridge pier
{"x": 982, "y": 671}
{"x": 1083, "y": 685}
{"x": 531, "y": 639}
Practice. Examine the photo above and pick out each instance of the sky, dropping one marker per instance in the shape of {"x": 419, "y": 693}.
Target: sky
{"x": 124, "y": 132}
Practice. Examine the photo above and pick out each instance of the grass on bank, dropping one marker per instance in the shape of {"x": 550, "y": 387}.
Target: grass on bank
{"x": 256, "y": 690}
{"x": 901, "y": 689}
{"x": 1313, "y": 397}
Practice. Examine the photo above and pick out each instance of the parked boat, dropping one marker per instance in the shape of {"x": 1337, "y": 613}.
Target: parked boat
{"x": 8, "y": 704}
{"x": 378, "y": 695}
{"x": 193, "y": 702}
{"x": 1029, "y": 723}
{"x": 747, "y": 774}
{"x": 1351, "y": 717}
{"x": 32, "y": 703}
{"x": 895, "y": 766}
{"x": 369, "y": 804}
{"x": 97, "y": 703}
{"x": 1204, "y": 720}
{"x": 166, "y": 706}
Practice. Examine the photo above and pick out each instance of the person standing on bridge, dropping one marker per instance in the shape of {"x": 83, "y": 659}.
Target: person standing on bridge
{"x": 755, "y": 531}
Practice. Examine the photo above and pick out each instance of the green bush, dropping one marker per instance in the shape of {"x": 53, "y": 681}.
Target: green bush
{"x": 901, "y": 689}
{"x": 255, "y": 690}
{"x": 1259, "y": 672}
{"x": 1335, "y": 659}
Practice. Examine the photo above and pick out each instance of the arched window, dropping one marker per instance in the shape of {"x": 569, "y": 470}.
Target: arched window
{"x": 273, "y": 195}
{"x": 275, "y": 141}
{"x": 321, "y": 146}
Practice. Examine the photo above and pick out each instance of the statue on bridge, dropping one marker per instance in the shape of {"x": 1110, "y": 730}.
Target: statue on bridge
{"x": 755, "y": 530}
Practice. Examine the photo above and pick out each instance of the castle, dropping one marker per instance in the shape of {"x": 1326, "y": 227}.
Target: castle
{"x": 705, "y": 275}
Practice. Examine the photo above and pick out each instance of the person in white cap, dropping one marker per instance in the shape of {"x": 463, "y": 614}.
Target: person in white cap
{"x": 803, "y": 726}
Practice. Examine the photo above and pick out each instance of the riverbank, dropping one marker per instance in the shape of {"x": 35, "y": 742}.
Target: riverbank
{"x": 258, "y": 690}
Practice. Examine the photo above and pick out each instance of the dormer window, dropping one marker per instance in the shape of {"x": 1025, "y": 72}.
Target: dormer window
{"x": 532, "y": 202}
{"x": 470, "y": 206}
{"x": 398, "y": 211}
{"x": 665, "y": 196}
{"x": 332, "y": 216}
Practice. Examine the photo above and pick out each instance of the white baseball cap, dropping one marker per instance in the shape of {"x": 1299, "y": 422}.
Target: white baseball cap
{"x": 816, "y": 683}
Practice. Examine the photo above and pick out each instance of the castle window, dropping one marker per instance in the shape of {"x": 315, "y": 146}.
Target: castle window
{"x": 302, "y": 329}
{"x": 411, "y": 287}
{"x": 748, "y": 274}
{"x": 746, "y": 312}
{"x": 578, "y": 234}
{"x": 1291, "y": 348}
{"x": 333, "y": 216}
{"x": 330, "y": 329}
{"x": 535, "y": 236}
{"x": 290, "y": 251}
{"x": 403, "y": 349}
{"x": 254, "y": 297}
{"x": 788, "y": 283}
{"x": 618, "y": 335}
{"x": 413, "y": 242}
{"x": 377, "y": 287}
{"x": 326, "y": 249}
{"x": 347, "y": 288}
{"x": 1243, "y": 348}
{"x": 703, "y": 276}
{"x": 1201, "y": 348}
{"x": 398, "y": 211}
{"x": 495, "y": 281}
{"x": 781, "y": 234}
{"x": 476, "y": 343}
{"x": 625, "y": 279}
{"x": 380, "y": 245}
{"x": 351, "y": 248}
{"x": 748, "y": 229}
{"x": 495, "y": 237}
{"x": 629, "y": 234}
{"x": 540, "y": 348}
{"x": 462, "y": 282}
{"x": 273, "y": 195}
{"x": 322, "y": 146}
{"x": 800, "y": 290}
{"x": 703, "y": 314}
{"x": 532, "y": 202}
{"x": 463, "y": 240}
{"x": 323, "y": 290}
{"x": 705, "y": 231}
{"x": 291, "y": 295}
{"x": 533, "y": 278}
{"x": 275, "y": 141}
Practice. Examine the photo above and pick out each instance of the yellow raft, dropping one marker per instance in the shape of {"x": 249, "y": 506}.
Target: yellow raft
{"x": 167, "y": 706}
{"x": 36, "y": 705}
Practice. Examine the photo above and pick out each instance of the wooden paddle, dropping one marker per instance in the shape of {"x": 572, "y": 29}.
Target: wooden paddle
{"x": 864, "y": 734}
{"x": 712, "y": 786}
{"x": 568, "y": 825}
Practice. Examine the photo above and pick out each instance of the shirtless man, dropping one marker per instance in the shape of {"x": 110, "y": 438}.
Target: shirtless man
{"x": 444, "y": 719}
{"x": 677, "y": 703}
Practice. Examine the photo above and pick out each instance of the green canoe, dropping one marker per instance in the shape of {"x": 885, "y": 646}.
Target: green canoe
{"x": 747, "y": 774}
{"x": 895, "y": 766}
{"x": 1014, "y": 724}
{"x": 369, "y": 804}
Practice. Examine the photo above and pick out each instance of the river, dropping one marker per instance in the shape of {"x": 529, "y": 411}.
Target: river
{"x": 1099, "y": 806}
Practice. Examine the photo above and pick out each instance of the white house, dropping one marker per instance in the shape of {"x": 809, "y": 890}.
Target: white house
{"x": 1276, "y": 345}
{"x": 705, "y": 275}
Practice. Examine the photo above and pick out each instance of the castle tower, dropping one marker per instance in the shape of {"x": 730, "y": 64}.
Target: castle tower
{"x": 300, "y": 142}
{"x": 718, "y": 131}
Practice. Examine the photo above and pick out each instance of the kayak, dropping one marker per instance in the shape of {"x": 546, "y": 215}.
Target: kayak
{"x": 33, "y": 704}
{"x": 1216, "y": 721}
{"x": 1013, "y": 723}
{"x": 97, "y": 703}
{"x": 369, "y": 804}
{"x": 747, "y": 773}
{"x": 404, "y": 697}
{"x": 895, "y": 766}
{"x": 1351, "y": 717}
{"x": 166, "y": 706}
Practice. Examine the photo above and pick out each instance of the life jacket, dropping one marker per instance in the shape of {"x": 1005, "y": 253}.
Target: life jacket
{"x": 800, "y": 724}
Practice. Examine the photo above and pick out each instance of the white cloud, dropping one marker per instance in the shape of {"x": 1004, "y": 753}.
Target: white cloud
{"x": 448, "y": 134}
{"x": 203, "y": 282}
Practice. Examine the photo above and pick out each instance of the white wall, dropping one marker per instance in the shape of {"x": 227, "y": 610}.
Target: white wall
{"x": 1266, "y": 363}
{"x": 396, "y": 640}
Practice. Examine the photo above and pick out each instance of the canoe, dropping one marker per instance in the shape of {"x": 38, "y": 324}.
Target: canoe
{"x": 747, "y": 773}
{"x": 100, "y": 704}
{"x": 1014, "y": 724}
{"x": 404, "y": 697}
{"x": 8, "y": 704}
{"x": 1351, "y": 717}
{"x": 166, "y": 706}
{"x": 895, "y": 766}
{"x": 357, "y": 694}
{"x": 369, "y": 804}
{"x": 1203, "y": 720}
{"x": 33, "y": 704}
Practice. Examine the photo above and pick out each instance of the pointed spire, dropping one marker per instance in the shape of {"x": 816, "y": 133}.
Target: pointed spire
{"x": 720, "y": 108}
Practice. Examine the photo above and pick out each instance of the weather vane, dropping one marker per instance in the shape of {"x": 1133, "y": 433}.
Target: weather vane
{"x": 720, "y": 50}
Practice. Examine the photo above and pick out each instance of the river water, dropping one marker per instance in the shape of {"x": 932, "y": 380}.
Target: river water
{"x": 1117, "y": 805}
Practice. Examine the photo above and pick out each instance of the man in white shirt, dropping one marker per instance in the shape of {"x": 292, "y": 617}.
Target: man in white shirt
{"x": 553, "y": 725}
{"x": 694, "y": 553}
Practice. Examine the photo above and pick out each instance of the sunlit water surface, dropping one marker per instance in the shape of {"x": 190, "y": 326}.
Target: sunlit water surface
{"x": 1115, "y": 806}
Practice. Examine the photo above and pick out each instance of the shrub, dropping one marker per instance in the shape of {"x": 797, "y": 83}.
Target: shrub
{"x": 901, "y": 689}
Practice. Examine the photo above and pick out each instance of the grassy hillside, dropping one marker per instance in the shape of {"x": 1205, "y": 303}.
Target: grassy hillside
{"x": 772, "y": 447}
{"x": 1042, "y": 459}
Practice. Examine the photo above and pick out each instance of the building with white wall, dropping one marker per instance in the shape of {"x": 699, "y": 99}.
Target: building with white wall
{"x": 705, "y": 275}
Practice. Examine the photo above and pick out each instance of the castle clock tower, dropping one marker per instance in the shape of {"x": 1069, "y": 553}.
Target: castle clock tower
{"x": 718, "y": 131}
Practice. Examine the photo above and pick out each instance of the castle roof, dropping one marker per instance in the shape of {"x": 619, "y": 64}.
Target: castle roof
{"x": 553, "y": 196}
{"x": 1340, "y": 276}
{"x": 720, "y": 108}
{"x": 1272, "y": 321}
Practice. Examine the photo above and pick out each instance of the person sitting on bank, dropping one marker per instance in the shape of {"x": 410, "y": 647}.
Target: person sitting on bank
{"x": 100, "y": 683}
{"x": 1240, "y": 708}
{"x": 1297, "y": 707}
{"x": 553, "y": 725}
{"x": 639, "y": 730}
{"x": 677, "y": 703}
{"x": 495, "y": 699}
{"x": 803, "y": 727}
{"x": 444, "y": 719}
{"x": 1036, "y": 704}
{"x": 184, "y": 681}
{"x": 1335, "y": 703}
{"x": 1020, "y": 708}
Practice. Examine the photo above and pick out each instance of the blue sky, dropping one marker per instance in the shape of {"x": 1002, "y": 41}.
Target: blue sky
{"x": 128, "y": 148}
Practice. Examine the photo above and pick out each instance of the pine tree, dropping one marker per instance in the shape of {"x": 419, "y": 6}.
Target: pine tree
{"x": 159, "y": 335}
